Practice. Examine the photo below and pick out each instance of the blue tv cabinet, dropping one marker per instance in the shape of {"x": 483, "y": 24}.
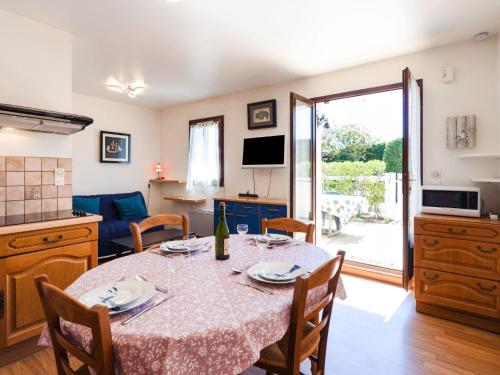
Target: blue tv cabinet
{"x": 249, "y": 211}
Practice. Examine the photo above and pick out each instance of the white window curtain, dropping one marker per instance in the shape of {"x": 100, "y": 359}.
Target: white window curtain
{"x": 204, "y": 163}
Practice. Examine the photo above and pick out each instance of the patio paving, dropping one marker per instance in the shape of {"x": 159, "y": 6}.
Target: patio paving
{"x": 376, "y": 244}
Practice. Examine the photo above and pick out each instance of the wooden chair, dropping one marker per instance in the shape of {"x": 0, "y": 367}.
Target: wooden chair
{"x": 291, "y": 226}
{"x": 138, "y": 228}
{"x": 59, "y": 305}
{"x": 304, "y": 338}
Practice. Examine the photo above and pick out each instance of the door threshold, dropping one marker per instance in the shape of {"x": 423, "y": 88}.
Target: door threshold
{"x": 371, "y": 272}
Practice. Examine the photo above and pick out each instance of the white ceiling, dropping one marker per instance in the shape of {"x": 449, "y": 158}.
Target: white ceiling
{"x": 192, "y": 49}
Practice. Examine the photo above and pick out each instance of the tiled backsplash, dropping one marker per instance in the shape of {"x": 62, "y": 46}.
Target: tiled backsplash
{"x": 27, "y": 185}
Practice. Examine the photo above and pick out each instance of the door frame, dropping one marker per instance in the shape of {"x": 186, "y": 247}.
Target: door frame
{"x": 371, "y": 271}
{"x": 293, "y": 104}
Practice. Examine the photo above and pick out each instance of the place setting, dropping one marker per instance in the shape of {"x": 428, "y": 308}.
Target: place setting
{"x": 188, "y": 246}
{"x": 271, "y": 273}
{"x": 125, "y": 295}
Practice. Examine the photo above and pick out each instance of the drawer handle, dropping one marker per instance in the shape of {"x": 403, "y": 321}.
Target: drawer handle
{"x": 59, "y": 238}
{"x": 462, "y": 231}
{"x": 273, "y": 209}
{"x": 433, "y": 243}
{"x": 433, "y": 277}
{"x": 492, "y": 250}
{"x": 241, "y": 215}
{"x": 247, "y": 207}
{"x": 485, "y": 288}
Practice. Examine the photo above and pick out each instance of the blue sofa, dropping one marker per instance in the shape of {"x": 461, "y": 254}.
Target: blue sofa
{"x": 112, "y": 226}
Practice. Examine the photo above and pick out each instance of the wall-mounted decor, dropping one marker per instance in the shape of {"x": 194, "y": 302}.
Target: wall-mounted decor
{"x": 262, "y": 114}
{"x": 461, "y": 131}
{"x": 114, "y": 147}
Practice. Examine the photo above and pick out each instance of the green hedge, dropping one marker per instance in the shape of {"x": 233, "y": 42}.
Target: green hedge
{"x": 373, "y": 191}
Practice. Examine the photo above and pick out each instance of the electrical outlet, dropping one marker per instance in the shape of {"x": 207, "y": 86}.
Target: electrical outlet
{"x": 436, "y": 177}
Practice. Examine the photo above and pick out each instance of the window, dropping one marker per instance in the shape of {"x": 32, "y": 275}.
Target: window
{"x": 206, "y": 154}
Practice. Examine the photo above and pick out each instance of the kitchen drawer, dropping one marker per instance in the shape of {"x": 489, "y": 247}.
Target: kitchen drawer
{"x": 247, "y": 208}
{"x": 25, "y": 242}
{"x": 484, "y": 231}
{"x": 272, "y": 210}
{"x": 463, "y": 293}
{"x": 471, "y": 258}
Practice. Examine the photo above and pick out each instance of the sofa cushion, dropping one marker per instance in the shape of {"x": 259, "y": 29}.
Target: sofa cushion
{"x": 108, "y": 209}
{"x": 130, "y": 208}
{"x": 87, "y": 204}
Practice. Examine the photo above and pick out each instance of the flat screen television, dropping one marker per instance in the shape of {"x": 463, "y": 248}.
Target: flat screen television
{"x": 264, "y": 152}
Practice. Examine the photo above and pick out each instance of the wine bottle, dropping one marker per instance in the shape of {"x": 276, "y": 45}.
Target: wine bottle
{"x": 222, "y": 235}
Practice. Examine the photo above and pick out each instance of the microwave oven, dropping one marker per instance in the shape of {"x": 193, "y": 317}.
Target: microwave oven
{"x": 451, "y": 200}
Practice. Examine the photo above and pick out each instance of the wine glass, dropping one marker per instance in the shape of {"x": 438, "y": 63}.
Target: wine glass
{"x": 262, "y": 243}
{"x": 242, "y": 229}
{"x": 189, "y": 242}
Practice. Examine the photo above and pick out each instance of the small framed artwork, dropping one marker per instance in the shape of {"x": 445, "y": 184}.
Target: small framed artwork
{"x": 115, "y": 147}
{"x": 262, "y": 114}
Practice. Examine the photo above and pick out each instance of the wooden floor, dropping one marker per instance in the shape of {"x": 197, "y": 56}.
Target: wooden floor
{"x": 375, "y": 331}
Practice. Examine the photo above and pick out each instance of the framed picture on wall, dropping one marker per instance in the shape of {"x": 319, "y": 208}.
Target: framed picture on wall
{"x": 262, "y": 114}
{"x": 114, "y": 147}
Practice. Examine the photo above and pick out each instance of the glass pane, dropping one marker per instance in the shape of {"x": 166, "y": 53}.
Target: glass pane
{"x": 303, "y": 209}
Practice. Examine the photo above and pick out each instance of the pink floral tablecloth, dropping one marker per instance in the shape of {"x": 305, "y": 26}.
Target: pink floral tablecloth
{"x": 212, "y": 324}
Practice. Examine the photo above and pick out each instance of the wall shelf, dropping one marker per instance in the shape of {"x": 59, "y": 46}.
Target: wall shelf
{"x": 165, "y": 181}
{"x": 480, "y": 156}
{"x": 180, "y": 199}
{"x": 486, "y": 179}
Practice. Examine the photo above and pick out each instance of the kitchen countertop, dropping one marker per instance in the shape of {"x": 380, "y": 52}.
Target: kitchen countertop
{"x": 19, "y": 228}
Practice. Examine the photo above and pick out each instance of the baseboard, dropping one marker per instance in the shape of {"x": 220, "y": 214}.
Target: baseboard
{"x": 485, "y": 323}
{"x": 19, "y": 351}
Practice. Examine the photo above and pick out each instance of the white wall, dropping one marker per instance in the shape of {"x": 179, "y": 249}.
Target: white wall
{"x": 474, "y": 91}
{"x": 35, "y": 71}
{"x": 92, "y": 177}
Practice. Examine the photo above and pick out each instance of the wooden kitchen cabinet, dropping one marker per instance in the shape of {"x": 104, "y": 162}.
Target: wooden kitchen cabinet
{"x": 63, "y": 253}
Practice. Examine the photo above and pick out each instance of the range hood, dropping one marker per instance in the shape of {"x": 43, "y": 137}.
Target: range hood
{"x": 40, "y": 120}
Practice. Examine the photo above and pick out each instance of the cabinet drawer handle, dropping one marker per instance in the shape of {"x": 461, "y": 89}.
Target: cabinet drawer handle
{"x": 273, "y": 209}
{"x": 433, "y": 243}
{"x": 59, "y": 238}
{"x": 432, "y": 277}
{"x": 492, "y": 250}
{"x": 485, "y": 288}
{"x": 241, "y": 215}
{"x": 247, "y": 207}
{"x": 462, "y": 231}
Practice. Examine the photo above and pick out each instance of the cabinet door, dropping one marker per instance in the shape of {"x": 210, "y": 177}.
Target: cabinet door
{"x": 252, "y": 220}
{"x": 230, "y": 220}
{"x": 21, "y": 315}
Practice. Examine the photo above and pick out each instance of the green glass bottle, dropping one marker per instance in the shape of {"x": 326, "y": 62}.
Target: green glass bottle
{"x": 222, "y": 235}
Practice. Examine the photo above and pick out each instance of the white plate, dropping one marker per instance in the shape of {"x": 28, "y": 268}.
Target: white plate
{"x": 274, "y": 238}
{"x": 255, "y": 272}
{"x": 179, "y": 247}
{"x": 142, "y": 290}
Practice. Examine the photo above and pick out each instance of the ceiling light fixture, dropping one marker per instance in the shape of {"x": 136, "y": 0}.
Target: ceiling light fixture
{"x": 130, "y": 90}
{"x": 479, "y": 37}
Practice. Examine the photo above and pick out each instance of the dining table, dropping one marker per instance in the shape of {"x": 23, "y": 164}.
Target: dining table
{"x": 214, "y": 321}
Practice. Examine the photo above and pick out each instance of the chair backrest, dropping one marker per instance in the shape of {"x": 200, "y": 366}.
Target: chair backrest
{"x": 59, "y": 305}
{"x": 290, "y": 226}
{"x": 326, "y": 275}
{"x": 164, "y": 219}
